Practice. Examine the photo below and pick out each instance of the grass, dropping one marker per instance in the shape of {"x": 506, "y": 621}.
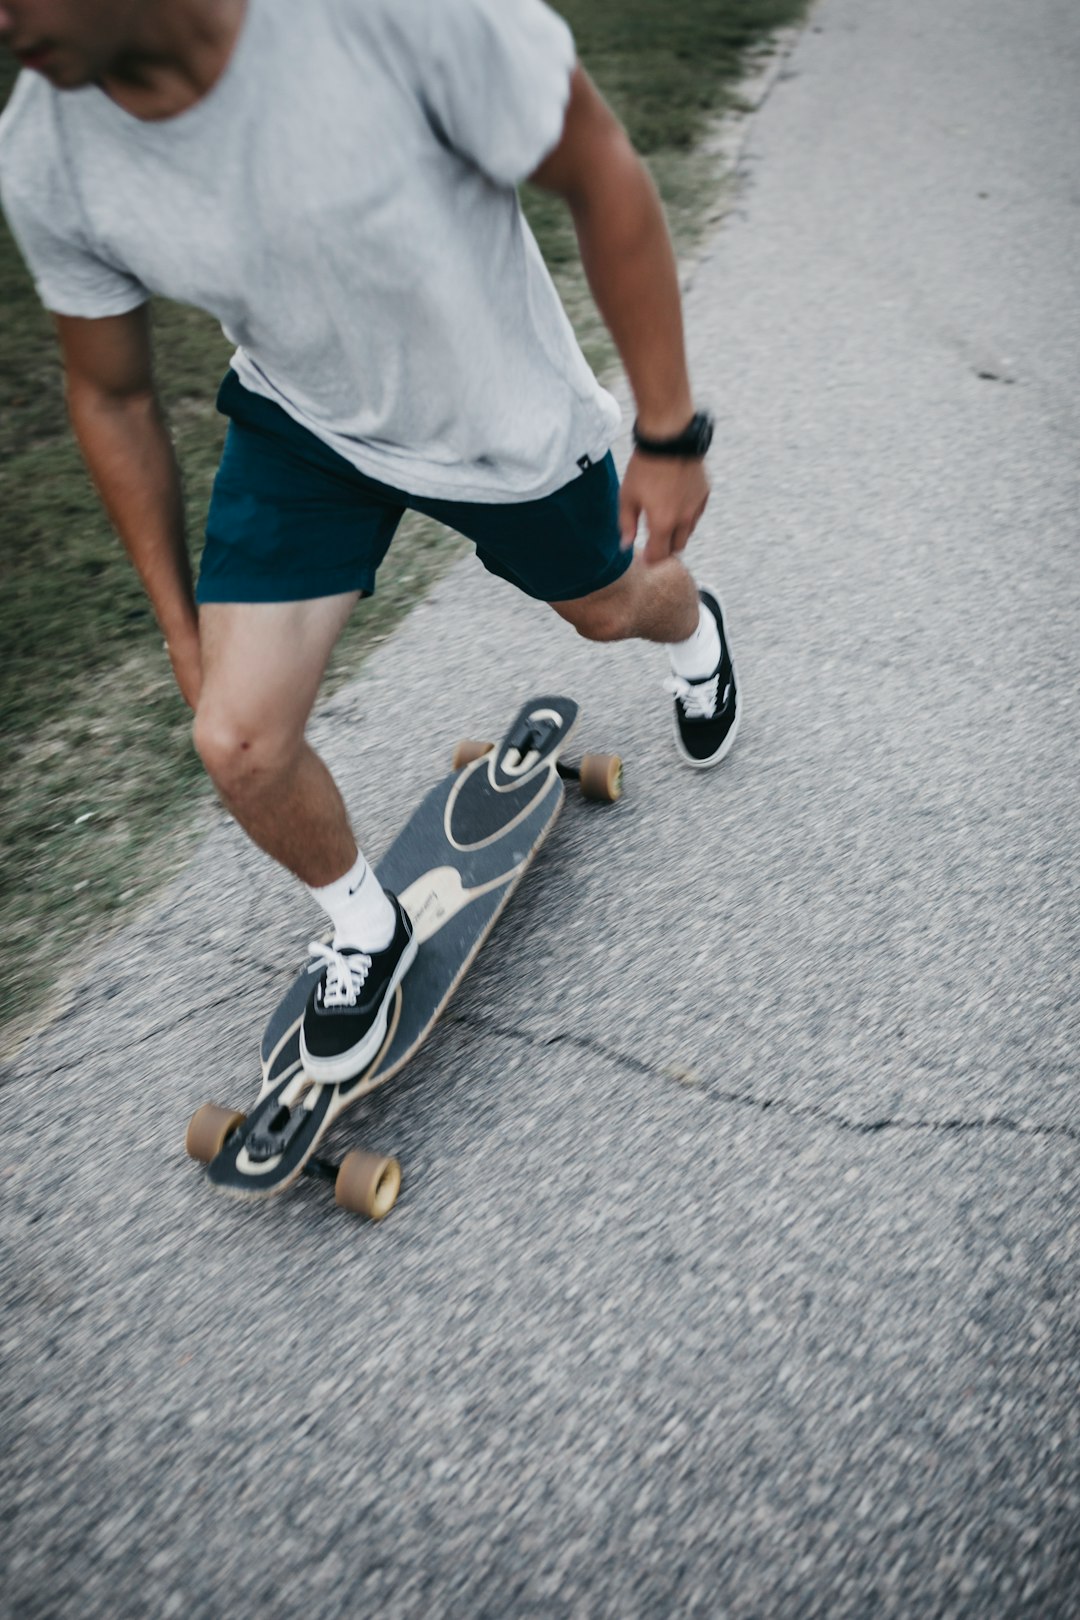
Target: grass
{"x": 98, "y": 775}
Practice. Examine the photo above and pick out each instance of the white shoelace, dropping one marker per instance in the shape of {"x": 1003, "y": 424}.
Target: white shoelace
{"x": 698, "y": 698}
{"x": 345, "y": 975}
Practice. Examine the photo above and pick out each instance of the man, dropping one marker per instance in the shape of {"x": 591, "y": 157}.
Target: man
{"x": 335, "y": 181}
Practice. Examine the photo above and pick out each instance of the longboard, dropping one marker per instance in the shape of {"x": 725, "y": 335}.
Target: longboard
{"x": 454, "y": 866}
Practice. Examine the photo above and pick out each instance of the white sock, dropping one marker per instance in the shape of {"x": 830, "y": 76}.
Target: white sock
{"x": 696, "y": 657}
{"x": 358, "y": 908}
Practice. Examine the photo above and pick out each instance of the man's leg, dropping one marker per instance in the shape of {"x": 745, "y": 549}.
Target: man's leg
{"x": 557, "y": 547}
{"x": 650, "y": 604}
{"x": 662, "y": 603}
{"x": 262, "y": 664}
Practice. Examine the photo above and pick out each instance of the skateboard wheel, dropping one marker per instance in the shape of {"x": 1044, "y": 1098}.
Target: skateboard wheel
{"x": 601, "y": 777}
{"x": 367, "y": 1184}
{"x": 209, "y": 1128}
{"x": 469, "y": 749}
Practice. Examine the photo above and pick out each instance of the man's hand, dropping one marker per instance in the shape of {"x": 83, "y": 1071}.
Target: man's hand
{"x": 671, "y": 494}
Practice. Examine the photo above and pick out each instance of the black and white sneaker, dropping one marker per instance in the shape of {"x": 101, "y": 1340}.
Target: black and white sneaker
{"x": 707, "y": 712}
{"x": 348, "y": 1009}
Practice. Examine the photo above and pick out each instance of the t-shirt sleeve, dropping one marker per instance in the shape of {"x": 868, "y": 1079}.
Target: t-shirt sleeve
{"x": 495, "y": 80}
{"x": 70, "y": 279}
{"x": 45, "y": 219}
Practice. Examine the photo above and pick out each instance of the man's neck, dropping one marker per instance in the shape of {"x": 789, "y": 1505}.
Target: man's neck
{"x": 178, "y": 53}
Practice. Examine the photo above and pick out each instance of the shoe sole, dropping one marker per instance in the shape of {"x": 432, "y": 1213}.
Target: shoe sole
{"x": 347, "y": 1065}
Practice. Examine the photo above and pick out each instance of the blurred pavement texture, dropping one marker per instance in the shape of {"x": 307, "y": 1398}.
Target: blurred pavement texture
{"x": 735, "y": 1268}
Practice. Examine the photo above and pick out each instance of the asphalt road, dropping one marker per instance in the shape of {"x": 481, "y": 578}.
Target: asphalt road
{"x": 735, "y": 1268}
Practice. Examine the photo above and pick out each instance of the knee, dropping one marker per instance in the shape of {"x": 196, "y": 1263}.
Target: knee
{"x": 240, "y": 759}
{"x": 602, "y": 620}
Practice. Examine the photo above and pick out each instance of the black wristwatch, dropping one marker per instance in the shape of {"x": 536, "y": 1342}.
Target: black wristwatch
{"x": 689, "y": 445}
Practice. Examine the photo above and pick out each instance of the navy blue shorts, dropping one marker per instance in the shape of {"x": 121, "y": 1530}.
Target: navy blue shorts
{"x": 290, "y": 519}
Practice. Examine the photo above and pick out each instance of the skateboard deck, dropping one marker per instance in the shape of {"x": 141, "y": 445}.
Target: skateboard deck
{"x": 454, "y": 866}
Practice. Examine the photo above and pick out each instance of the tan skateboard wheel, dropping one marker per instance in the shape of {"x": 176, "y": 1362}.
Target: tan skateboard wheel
{"x": 469, "y": 749}
{"x": 209, "y": 1128}
{"x": 367, "y": 1184}
{"x": 601, "y": 777}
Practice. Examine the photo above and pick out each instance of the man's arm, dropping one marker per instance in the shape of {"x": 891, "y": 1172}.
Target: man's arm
{"x": 122, "y": 434}
{"x": 630, "y": 265}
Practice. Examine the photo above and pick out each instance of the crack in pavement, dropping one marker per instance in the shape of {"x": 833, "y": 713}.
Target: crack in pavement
{"x": 689, "y": 1081}
{"x": 672, "y": 1074}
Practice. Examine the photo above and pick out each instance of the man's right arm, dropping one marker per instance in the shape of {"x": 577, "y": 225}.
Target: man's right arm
{"x": 121, "y": 431}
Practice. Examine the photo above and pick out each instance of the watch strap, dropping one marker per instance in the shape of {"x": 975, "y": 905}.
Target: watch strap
{"x": 690, "y": 445}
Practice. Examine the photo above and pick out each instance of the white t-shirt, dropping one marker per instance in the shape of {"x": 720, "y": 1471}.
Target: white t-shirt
{"x": 343, "y": 202}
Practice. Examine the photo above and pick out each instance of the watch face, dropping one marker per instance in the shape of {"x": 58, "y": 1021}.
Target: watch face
{"x": 698, "y": 435}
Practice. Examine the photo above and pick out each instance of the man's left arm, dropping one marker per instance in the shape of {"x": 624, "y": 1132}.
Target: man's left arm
{"x": 630, "y": 264}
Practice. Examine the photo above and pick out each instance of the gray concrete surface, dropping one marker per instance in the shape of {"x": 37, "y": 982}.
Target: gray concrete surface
{"x": 735, "y": 1269}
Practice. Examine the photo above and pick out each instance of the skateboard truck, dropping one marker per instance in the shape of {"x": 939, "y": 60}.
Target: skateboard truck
{"x": 532, "y": 735}
{"x": 271, "y": 1137}
{"x": 365, "y": 1183}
